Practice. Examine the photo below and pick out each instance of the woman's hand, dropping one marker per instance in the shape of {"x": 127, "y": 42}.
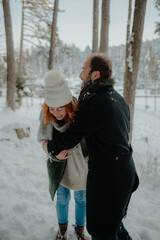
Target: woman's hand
{"x": 63, "y": 155}
{"x": 44, "y": 146}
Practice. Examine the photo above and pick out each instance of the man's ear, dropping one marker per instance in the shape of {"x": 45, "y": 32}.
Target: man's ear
{"x": 95, "y": 75}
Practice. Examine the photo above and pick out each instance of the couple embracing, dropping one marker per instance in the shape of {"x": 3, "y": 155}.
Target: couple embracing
{"x": 87, "y": 145}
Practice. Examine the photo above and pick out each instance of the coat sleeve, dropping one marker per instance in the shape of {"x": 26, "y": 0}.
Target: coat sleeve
{"x": 44, "y": 131}
{"x": 82, "y": 126}
{"x": 41, "y": 126}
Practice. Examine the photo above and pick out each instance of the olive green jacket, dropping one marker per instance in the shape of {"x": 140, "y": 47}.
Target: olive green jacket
{"x": 56, "y": 170}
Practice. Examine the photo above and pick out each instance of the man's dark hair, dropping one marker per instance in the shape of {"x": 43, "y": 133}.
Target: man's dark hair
{"x": 102, "y": 64}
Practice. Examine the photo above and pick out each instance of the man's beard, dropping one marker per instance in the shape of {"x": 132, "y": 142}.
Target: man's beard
{"x": 88, "y": 79}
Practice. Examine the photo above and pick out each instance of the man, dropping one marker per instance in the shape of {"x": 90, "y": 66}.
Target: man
{"x": 103, "y": 120}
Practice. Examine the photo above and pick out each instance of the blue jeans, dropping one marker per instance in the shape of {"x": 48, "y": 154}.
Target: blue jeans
{"x": 122, "y": 234}
{"x": 62, "y": 205}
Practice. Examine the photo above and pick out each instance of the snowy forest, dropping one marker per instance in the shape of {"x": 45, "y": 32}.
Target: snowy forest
{"x": 27, "y": 212}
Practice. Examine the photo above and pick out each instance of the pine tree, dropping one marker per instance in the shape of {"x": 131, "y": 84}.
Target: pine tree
{"x": 132, "y": 63}
{"x": 53, "y": 35}
{"x": 105, "y": 20}
{"x": 157, "y": 4}
{"x": 10, "y": 56}
{"x": 95, "y": 26}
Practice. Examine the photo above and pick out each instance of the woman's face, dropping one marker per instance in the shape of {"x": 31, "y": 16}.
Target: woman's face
{"x": 58, "y": 112}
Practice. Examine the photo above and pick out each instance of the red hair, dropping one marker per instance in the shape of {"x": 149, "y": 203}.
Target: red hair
{"x": 71, "y": 109}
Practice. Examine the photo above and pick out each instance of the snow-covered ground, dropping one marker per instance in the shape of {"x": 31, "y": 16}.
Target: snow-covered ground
{"x": 26, "y": 210}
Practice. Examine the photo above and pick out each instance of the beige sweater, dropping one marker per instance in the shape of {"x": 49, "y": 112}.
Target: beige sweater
{"x": 75, "y": 174}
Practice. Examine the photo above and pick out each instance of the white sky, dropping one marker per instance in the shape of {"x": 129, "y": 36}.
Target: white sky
{"x": 75, "y": 24}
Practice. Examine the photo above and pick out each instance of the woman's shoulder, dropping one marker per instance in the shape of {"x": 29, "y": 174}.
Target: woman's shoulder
{"x": 41, "y": 116}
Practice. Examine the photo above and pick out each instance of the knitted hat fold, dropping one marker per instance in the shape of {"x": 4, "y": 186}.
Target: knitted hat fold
{"x": 57, "y": 93}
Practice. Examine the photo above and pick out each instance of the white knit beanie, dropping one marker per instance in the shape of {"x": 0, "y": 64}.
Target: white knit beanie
{"x": 57, "y": 93}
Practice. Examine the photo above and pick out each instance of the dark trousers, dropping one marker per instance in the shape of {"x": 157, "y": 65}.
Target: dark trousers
{"x": 122, "y": 234}
{"x": 112, "y": 238}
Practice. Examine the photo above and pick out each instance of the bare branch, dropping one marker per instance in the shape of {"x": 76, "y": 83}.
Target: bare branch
{"x": 30, "y": 42}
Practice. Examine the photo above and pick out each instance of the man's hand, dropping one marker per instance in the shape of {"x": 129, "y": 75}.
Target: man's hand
{"x": 44, "y": 146}
{"x": 63, "y": 155}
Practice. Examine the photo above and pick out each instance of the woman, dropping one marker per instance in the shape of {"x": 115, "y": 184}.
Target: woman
{"x": 57, "y": 113}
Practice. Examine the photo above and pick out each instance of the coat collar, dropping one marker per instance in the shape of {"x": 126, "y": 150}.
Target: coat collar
{"x": 93, "y": 87}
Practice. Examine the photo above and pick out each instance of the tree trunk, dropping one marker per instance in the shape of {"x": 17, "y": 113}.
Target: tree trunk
{"x": 146, "y": 105}
{"x": 53, "y": 36}
{"x": 95, "y": 26}
{"x": 155, "y": 96}
{"x": 105, "y": 20}
{"x": 132, "y": 63}
{"x": 128, "y": 32}
{"x": 10, "y": 56}
{"x": 19, "y": 78}
{"x": 21, "y": 44}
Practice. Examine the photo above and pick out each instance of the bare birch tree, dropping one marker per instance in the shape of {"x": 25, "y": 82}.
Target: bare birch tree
{"x": 105, "y": 21}
{"x": 53, "y": 35}
{"x": 10, "y": 56}
{"x": 38, "y": 25}
{"x": 37, "y": 22}
{"x": 95, "y": 26}
{"x": 132, "y": 63}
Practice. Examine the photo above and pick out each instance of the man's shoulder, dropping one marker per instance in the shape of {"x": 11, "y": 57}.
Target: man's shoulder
{"x": 99, "y": 98}
{"x": 108, "y": 100}
{"x": 103, "y": 98}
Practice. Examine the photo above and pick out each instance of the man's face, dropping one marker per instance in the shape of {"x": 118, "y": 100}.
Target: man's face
{"x": 85, "y": 74}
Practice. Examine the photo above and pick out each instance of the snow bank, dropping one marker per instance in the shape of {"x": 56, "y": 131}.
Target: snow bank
{"x": 27, "y": 212}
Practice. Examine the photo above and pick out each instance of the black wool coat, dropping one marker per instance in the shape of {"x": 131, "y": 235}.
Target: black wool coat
{"x": 103, "y": 119}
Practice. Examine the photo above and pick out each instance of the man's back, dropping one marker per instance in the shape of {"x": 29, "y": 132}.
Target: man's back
{"x": 110, "y": 115}
{"x": 112, "y": 176}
